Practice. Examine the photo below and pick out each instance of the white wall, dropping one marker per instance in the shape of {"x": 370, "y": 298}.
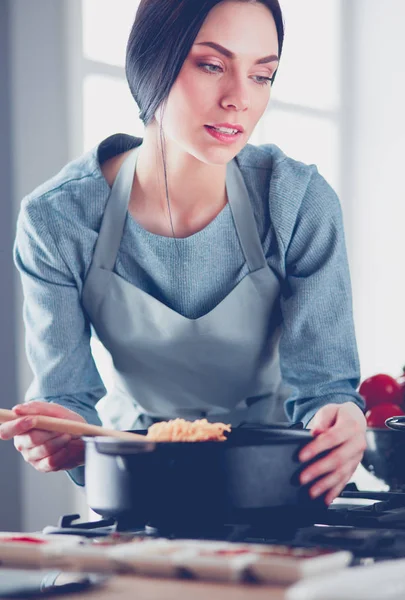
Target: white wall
{"x": 10, "y": 513}
{"x": 375, "y": 204}
{"x": 40, "y": 148}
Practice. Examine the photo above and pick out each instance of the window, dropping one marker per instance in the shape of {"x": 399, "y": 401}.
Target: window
{"x": 108, "y": 107}
{"x": 303, "y": 115}
{"x": 304, "y": 112}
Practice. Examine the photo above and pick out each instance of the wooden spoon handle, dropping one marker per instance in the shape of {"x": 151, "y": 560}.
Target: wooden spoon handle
{"x": 72, "y": 427}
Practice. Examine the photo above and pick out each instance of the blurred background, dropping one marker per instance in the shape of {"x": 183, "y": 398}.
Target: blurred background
{"x": 338, "y": 102}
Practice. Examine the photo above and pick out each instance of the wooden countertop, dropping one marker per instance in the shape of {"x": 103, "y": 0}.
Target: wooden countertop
{"x": 130, "y": 587}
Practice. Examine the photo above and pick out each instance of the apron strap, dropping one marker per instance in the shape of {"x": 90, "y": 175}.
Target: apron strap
{"x": 115, "y": 214}
{"x": 112, "y": 226}
{"x": 242, "y": 213}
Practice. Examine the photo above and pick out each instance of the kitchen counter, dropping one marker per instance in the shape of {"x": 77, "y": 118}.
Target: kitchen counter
{"x": 125, "y": 587}
{"x": 151, "y": 568}
{"x": 128, "y": 587}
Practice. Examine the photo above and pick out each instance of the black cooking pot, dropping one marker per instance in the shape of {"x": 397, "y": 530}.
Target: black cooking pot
{"x": 385, "y": 453}
{"x": 178, "y": 484}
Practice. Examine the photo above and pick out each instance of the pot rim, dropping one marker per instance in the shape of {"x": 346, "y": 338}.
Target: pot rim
{"x": 111, "y": 445}
{"x": 275, "y": 435}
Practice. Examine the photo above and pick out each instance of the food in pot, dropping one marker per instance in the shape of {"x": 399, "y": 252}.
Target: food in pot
{"x": 180, "y": 430}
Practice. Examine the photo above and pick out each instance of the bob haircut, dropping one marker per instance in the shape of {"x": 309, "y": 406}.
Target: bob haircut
{"x": 160, "y": 41}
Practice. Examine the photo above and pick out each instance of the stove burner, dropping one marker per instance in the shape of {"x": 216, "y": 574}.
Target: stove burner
{"x": 67, "y": 526}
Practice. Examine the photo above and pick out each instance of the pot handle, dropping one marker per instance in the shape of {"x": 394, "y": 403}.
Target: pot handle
{"x": 122, "y": 449}
{"x": 396, "y": 423}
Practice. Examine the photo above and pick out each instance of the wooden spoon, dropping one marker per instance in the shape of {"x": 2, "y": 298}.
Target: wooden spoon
{"x": 72, "y": 427}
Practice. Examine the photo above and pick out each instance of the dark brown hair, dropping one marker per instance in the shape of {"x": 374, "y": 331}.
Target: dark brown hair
{"x": 160, "y": 41}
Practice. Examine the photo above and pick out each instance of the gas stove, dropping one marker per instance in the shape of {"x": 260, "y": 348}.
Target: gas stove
{"x": 371, "y": 525}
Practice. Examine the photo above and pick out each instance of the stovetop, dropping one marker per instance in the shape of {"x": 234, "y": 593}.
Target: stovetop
{"x": 369, "y": 524}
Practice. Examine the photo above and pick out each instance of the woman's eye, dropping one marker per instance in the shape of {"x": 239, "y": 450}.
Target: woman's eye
{"x": 261, "y": 80}
{"x": 210, "y": 68}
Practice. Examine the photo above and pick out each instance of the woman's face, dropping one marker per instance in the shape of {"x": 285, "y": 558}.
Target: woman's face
{"x": 224, "y": 81}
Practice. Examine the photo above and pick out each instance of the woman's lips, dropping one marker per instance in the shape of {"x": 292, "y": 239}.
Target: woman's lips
{"x": 226, "y": 138}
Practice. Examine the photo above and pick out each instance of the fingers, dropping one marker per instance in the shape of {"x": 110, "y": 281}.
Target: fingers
{"x": 26, "y": 417}
{"x": 50, "y": 452}
{"x": 52, "y": 462}
{"x": 38, "y": 452}
{"x": 15, "y": 427}
{"x": 37, "y": 445}
{"x": 334, "y": 490}
{"x": 38, "y": 407}
{"x": 334, "y": 480}
{"x": 341, "y": 419}
{"x": 44, "y": 450}
{"x": 65, "y": 458}
{"x": 344, "y": 441}
{"x": 336, "y": 460}
{"x": 75, "y": 456}
{"x": 324, "y": 419}
{"x": 35, "y": 437}
{"x": 332, "y": 438}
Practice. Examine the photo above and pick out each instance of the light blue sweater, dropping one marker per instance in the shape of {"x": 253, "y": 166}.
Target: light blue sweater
{"x": 300, "y": 225}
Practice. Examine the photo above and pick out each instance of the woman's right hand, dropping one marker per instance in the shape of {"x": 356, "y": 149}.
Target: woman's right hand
{"x": 45, "y": 450}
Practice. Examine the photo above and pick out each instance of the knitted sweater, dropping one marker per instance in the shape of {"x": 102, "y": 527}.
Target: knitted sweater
{"x": 299, "y": 220}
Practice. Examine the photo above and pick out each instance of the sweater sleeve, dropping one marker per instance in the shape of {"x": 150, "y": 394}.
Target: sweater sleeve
{"x": 57, "y": 330}
{"x": 318, "y": 352}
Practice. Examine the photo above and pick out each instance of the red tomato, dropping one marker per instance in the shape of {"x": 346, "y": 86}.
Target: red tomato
{"x": 377, "y": 415}
{"x": 401, "y": 381}
{"x": 380, "y": 389}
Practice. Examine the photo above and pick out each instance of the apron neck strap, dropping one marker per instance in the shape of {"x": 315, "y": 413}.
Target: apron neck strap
{"x": 115, "y": 214}
{"x": 242, "y": 213}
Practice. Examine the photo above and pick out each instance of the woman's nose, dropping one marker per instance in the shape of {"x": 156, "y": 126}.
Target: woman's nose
{"x": 236, "y": 96}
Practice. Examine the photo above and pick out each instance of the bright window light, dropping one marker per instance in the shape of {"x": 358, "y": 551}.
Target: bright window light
{"x": 106, "y": 27}
{"x": 108, "y": 108}
{"x": 309, "y": 72}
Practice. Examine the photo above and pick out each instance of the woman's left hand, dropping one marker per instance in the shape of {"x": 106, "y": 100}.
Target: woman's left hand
{"x": 339, "y": 426}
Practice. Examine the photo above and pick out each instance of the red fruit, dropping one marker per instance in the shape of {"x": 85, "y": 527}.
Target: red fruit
{"x": 377, "y": 415}
{"x": 380, "y": 389}
{"x": 401, "y": 381}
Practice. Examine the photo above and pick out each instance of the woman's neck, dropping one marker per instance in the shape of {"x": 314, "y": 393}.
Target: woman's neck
{"x": 193, "y": 186}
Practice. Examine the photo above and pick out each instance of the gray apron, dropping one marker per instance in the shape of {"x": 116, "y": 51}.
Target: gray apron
{"x": 223, "y": 366}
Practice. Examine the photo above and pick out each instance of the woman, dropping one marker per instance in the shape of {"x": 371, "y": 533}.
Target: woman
{"x": 214, "y": 272}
